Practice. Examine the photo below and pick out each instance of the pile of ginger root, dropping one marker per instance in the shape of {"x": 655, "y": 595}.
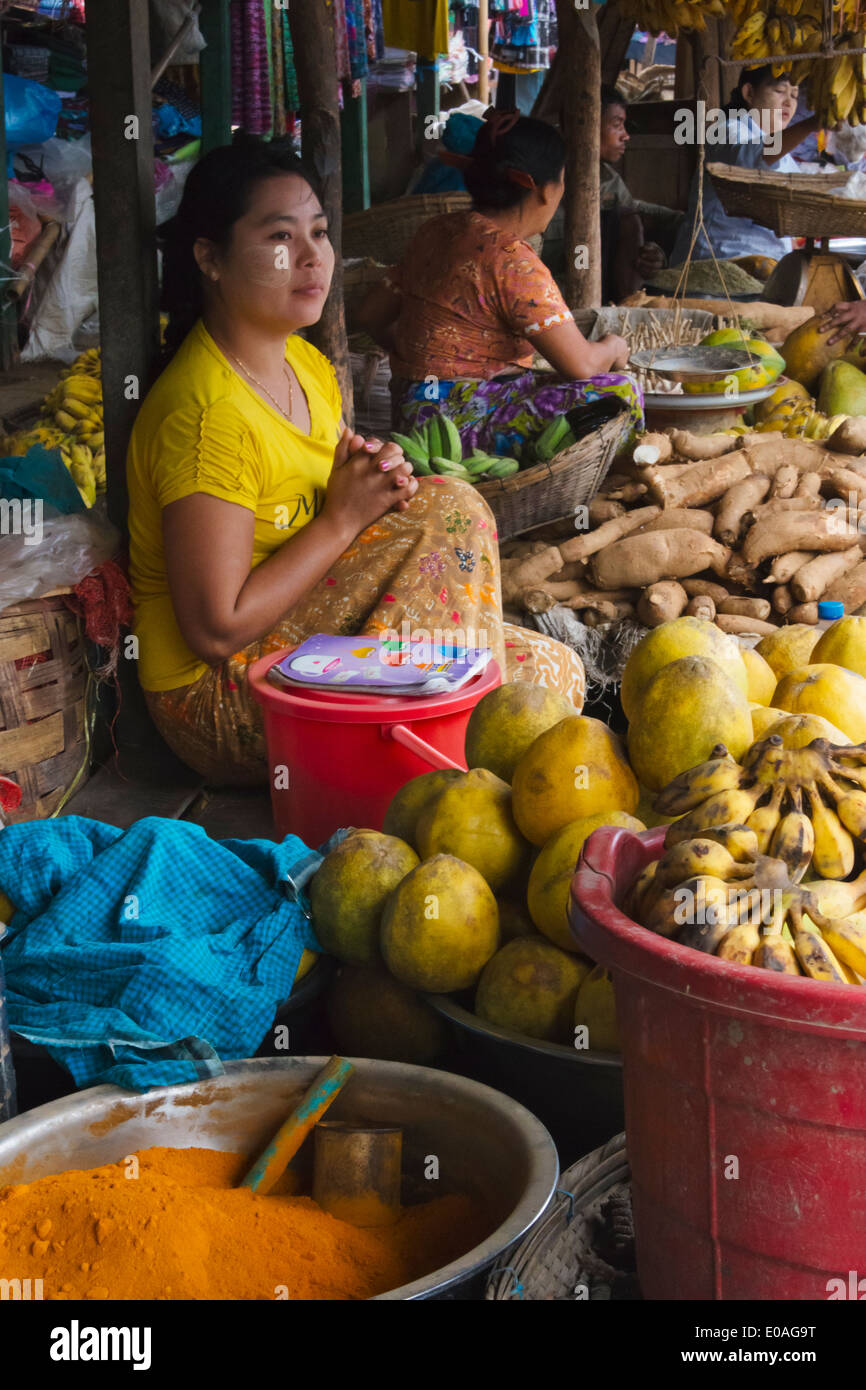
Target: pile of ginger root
{"x": 748, "y": 531}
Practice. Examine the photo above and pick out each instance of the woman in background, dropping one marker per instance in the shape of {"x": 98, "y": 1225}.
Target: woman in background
{"x": 471, "y": 303}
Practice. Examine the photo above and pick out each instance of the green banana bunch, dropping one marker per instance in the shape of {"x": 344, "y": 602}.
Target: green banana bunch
{"x": 553, "y": 439}
{"x": 447, "y": 468}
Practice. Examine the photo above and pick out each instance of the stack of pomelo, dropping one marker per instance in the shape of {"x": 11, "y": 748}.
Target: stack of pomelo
{"x": 466, "y": 888}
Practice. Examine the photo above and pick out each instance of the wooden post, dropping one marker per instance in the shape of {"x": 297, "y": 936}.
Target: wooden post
{"x": 484, "y": 51}
{"x": 8, "y": 306}
{"x": 312, "y": 27}
{"x": 428, "y": 91}
{"x": 580, "y": 53}
{"x": 355, "y": 150}
{"x": 118, "y": 61}
{"x": 215, "y": 69}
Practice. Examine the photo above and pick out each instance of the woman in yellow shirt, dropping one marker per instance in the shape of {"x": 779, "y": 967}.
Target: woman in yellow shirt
{"x": 256, "y": 518}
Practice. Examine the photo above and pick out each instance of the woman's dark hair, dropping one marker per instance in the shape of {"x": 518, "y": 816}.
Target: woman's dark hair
{"x": 508, "y": 160}
{"x": 611, "y": 97}
{"x": 753, "y": 77}
{"x": 216, "y": 195}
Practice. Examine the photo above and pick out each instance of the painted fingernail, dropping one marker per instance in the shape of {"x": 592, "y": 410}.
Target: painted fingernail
{"x": 385, "y": 465}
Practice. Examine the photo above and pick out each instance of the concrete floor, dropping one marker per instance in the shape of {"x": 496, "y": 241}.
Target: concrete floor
{"x": 24, "y": 387}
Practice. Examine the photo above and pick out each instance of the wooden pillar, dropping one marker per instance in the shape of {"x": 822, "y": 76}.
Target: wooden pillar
{"x": 312, "y": 27}
{"x": 8, "y": 306}
{"x": 118, "y": 61}
{"x": 484, "y": 51}
{"x": 355, "y": 150}
{"x": 215, "y": 69}
{"x": 580, "y": 54}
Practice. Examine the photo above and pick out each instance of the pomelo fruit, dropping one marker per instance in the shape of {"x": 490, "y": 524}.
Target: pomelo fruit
{"x": 760, "y": 676}
{"x": 471, "y": 818}
{"x": 807, "y": 352}
{"x": 514, "y": 919}
{"x": 787, "y": 396}
{"x": 833, "y": 692}
{"x": 788, "y": 647}
{"x": 575, "y": 769}
{"x": 409, "y": 803}
{"x": 349, "y": 891}
{"x": 507, "y": 720}
{"x": 530, "y": 987}
{"x": 842, "y": 389}
{"x": 595, "y": 1010}
{"x": 670, "y": 641}
{"x": 553, "y": 870}
{"x": 372, "y": 1015}
{"x": 764, "y": 718}
{"x": 688, "y": 707}
{"x": 440, "y": 926}
{"x": 797, "y": 730}
{"x": 843, "y": 644}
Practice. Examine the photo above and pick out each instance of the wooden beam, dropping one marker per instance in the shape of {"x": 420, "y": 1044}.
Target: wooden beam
{"x": 118, "y": 63}
{"x": 355, "y": 150}
{"x": 8, "y": 306}
{"x": 312, "y": 28}
{"x": 215, "y": 70}
{"x": 580, "y": 54}
{"x": 615, "y": 33}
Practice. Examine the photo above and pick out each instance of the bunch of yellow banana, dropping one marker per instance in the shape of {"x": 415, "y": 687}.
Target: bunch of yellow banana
{"x": 798, "y": 419}
{"x": 670, "y": 16}
{"x": 763, "y": 32}
{"x": 74, "y": 405}
{"x": 836, "y": 87}
{"x": 807, "y": 806}
{"x": 717, "y": 893}
{"x": 79, "y": 460}
{"x": 16, "y": 445}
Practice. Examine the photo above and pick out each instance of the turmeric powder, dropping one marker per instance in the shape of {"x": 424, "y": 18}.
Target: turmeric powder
{"x": 172, "y": 1225}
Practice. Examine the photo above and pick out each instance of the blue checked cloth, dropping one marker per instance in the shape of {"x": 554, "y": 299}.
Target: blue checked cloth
{"x": 148, "y": 956}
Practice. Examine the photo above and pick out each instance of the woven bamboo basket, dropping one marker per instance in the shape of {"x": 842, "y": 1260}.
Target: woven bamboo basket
{"x": 43, "y": 692}
{"x": 383, "y": 233}
{"x": 548, "y": 491}
{"x": 789, "y": 204}
{"x": 558, "y": 1258}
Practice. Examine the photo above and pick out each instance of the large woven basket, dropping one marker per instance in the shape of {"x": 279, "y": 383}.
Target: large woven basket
{"x": 548, "y": 491}
{"x": 384, "y": 232}
{"x": 557, "y": 1259}
{"x": 789, "y": 204}
{"x": 43, "y": 691}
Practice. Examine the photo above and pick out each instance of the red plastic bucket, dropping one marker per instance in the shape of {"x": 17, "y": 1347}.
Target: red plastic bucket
{"x": 745, "y": 1105}
{"x": 336, "y": 759}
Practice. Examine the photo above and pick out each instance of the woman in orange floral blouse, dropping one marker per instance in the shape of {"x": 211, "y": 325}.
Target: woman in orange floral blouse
{"x": 471, "y": 302}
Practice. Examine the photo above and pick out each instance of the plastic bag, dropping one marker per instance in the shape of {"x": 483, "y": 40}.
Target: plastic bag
{"x": 71, "y": 294}
{"x": 171, "y": 15}
{"x": 69, "y": 548}
{"x": 23, "y": 221}
{"x": 64, "y": 163}
{"x": 31, "y": 111}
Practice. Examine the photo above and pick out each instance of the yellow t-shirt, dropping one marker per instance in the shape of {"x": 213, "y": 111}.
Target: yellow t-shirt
{"x": 201, "y": 428}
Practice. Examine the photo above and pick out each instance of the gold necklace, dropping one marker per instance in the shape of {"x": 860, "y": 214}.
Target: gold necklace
{"x": 261, "y": 385}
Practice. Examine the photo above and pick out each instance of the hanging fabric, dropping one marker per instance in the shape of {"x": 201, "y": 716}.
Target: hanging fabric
{"x": 268, "y": 82}
{"x": 357, "y": 35}
{"x": 341, "y": 38}
{"x": 279, "y": 74}
{"x": 293, "y": 100}
{"x": 418, "y": 25}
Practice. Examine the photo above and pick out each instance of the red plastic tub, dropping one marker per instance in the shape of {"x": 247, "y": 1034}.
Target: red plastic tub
{"x": 338, "y": 759}
{"x": 745, "y": 1105}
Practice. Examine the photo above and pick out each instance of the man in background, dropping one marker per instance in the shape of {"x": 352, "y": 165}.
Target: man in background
{"x": 628, "y": 257}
